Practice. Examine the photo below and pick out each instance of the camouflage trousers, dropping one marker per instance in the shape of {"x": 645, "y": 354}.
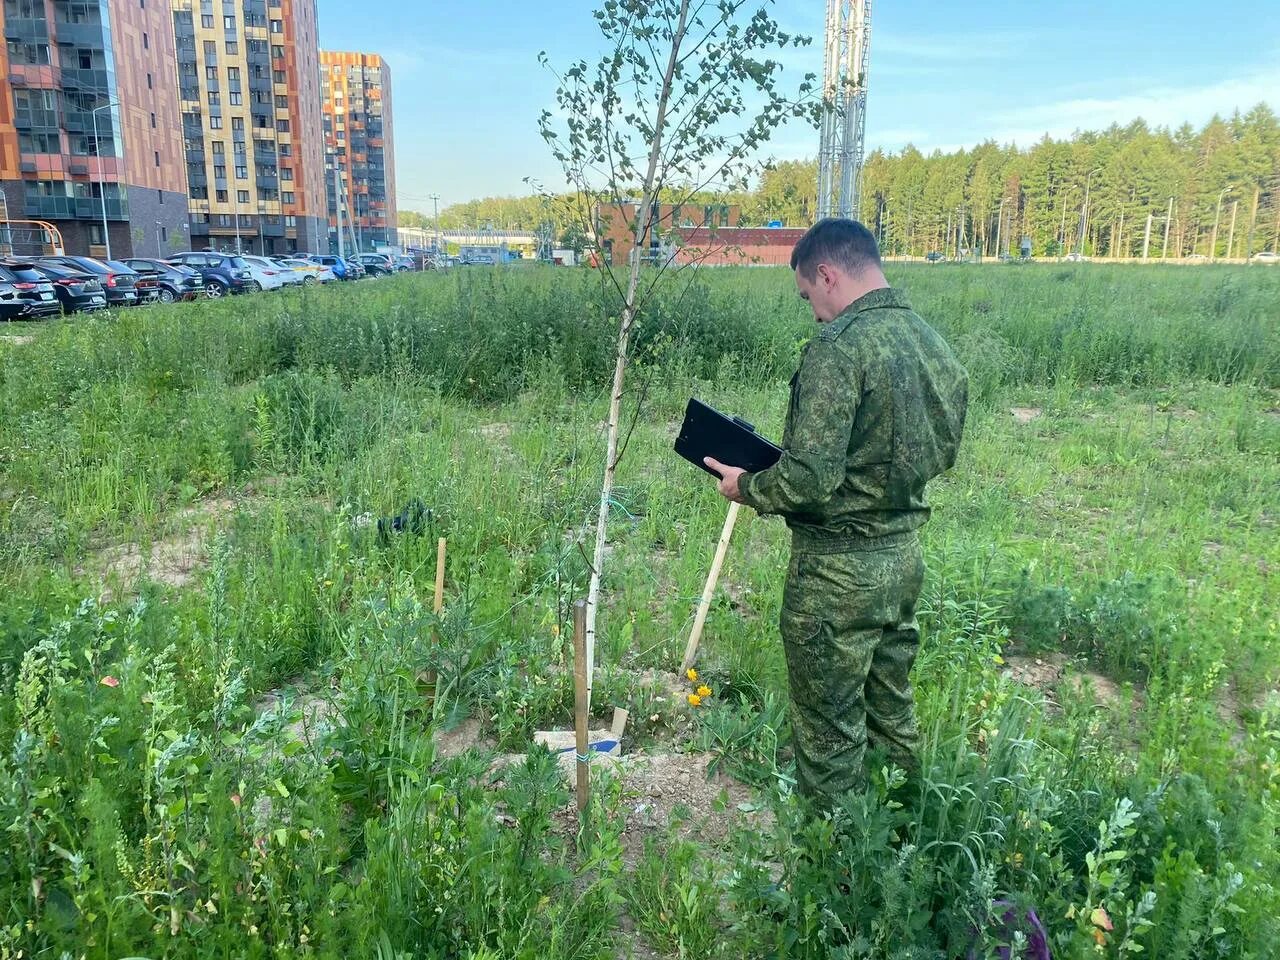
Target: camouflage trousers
{"x": 849, "y": 630}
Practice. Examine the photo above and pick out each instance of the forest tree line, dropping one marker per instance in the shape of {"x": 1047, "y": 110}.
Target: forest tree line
{"x": 1213, "y": 191}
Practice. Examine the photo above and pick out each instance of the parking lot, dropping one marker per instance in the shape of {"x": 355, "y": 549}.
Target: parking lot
{"x": 38, "y": 288}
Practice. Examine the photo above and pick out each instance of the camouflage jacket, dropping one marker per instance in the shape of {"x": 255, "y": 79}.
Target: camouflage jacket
{"x": 877, "y": 409}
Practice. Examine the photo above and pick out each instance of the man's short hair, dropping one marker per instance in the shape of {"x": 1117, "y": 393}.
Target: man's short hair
{"x": 846, "y": 244}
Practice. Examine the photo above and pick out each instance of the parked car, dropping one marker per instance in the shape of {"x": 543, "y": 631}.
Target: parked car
{"x": 1266, "y": 256}
{"x": 1076, "y": 258}
{"x": 172, "y": 282}
{"x": 340, "y": 268}
{"x": 933, "y": 256}
{"x": 268, "y": 274}
{"x": 405, "y": 263}
{"x": 355, "y": 269}
{"x": 377, "y": 264}
{"x": 119, "y": 282}
{"x": 32, "y": 289}
{"x": 311, "y": 273}
{"x": 10, "y": 305}
{"x": 223, "y": 273}
{"x": 1198, "y": 257}
{"x": 77, "y": 291}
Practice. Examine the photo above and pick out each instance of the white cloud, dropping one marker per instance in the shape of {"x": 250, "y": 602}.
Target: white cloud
{"x": 1160, "y": 106}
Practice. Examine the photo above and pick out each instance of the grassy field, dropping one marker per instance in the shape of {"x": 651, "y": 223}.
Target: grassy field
{"x": 214, "y": 741}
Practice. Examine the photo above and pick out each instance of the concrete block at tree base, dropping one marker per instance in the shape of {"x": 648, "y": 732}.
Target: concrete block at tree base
{"x": 562, "y": 744}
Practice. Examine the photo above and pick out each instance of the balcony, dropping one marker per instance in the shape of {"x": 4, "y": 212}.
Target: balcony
{"x": 75, "y": 208}
{"x": 268, "y": 183}
{"x": 86, "y": 35}
{"x": 26, "y": 29}
{"x": 81, "y": 121}
{"x": 95, "y": 81}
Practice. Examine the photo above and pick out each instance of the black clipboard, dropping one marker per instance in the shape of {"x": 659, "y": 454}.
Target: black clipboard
{"x": 706, "y": 432}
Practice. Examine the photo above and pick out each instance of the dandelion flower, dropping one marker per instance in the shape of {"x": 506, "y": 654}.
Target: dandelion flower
{"x": 691, "y": 673}
{"x": 694, "y": 700}
{"x": 704, "y": 691}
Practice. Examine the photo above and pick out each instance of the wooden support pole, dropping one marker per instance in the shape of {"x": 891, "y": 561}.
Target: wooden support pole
{"x": 580, "y": 703}
{"x": 435, "y": 633}
{"x": 440, "y": 575}
{"x": 691, "y": 650}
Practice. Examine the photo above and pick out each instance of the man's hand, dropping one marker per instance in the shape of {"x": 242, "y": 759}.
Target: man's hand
{"x": 728, "y": 478}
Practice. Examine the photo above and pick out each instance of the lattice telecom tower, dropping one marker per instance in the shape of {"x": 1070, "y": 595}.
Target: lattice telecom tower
{"x": 848, "y": 54}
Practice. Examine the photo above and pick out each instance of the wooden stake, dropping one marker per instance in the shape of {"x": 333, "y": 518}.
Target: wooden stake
{"x": 435, "y": 633}
{"x": 440, "y": 575}
{"x": 691, "y": 650}
{"x": 580, "y": 702}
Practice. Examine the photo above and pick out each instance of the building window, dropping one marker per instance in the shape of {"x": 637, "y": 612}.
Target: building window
{"x": 215, "y": 98}
{"x": 95, "y": 234}
{"x": 286, "y": 173}
{"x": 219, "y": 171}
{"x": 219, "y": 148}
{"x": 277, "y": 51}
{"x": 228, "y": 23}
{"x": 235, "y": 99}
{"x": 153, "y": 121}
{"x": 220, "y": 196}
{"x": 233, "y": 74}
{"x": 146, "y": 44}
{"x": 211, "y": 50}
{"x": 211, "y": 73}
{"x": 157, "y": 153}
{"x": 290, "y": 221}
{"x": 242, "y": 173}
{"x": 164, "y": 234}
{"x": 215, "y": 123}
{"x": 282, "y": 102}
{"x": 277, "y": 26}
{"x": 206, "y": 21}
{"x": 233, "y": 47}
{"x": 277, "y": 76}
{"x": 242, "y": 196}
{"x": 282, "y": 126}
{"x": 287, "y": 196}
{"x": 159, "y": 196}
{"x": 237, "y": 124}
{"x": 149, "y": 87}
{"x": 286, "y": 149}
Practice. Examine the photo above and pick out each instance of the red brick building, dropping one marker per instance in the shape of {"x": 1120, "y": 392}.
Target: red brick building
{"x": 737, "y": 246}
{"x": 615, "y": 227}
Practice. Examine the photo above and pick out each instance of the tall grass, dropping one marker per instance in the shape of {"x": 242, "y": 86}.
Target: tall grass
{"x": 153, "y": 804}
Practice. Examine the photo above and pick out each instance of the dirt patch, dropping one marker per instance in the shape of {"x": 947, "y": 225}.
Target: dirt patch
{"x": 1054, "y": 673}
{"x": 174, "y": 559}
{"x": 1025, "y": 414}
{"x": 457, "y": 741}
{"x": 494, "y": 431}
{"x": 662, "y": 792}
{"x": 310, "y": 710}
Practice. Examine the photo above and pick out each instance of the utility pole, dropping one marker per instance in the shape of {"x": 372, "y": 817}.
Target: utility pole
{"x": 238, "y": 248}
{"x": 1168, "y": 218}
{"x": 1231, "y": 236}
{"x": 158, "y": 254}
{"x": 1213, "y": 243}
{"x": 1146, "y": 237}
{"x": 1084, "y": 210}
{"x": 1253, "y": 221}
{"x": 948, "y": 240}
{"x": 999, "y": 224}
{"x": 435, "y": 199}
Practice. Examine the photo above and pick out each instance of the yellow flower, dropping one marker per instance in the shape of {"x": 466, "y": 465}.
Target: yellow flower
{"x": 704, "y": 691}
{"x": 694, "y": 700}
{"x": 691, "y": 673}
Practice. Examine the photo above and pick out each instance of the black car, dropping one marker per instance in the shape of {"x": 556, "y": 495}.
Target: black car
{"x": 376, "y": 265}
{"x": 223, "y": 273}
{"x": 933, "y": 256}
{"x": 34, "y": 290}
{"x": 10, "y": 306}
{"x": 119, "y": 282}
{"x": 173, "y": 281}
{"x": 77, "y": 291}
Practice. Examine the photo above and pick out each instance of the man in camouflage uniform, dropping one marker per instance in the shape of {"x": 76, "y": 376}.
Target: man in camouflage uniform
{"x": 877, "y": 409}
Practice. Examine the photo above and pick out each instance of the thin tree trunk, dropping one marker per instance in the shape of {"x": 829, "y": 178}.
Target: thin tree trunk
{"x": 644, "y": 223}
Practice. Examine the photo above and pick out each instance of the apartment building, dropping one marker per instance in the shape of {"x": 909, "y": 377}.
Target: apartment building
{"x": 89, "y": 125}
{"x": 249, "y": 94}
{"x": 356, "y": 88}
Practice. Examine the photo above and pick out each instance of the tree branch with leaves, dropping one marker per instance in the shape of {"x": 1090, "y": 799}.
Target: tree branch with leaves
{"x": 683, "y": 100}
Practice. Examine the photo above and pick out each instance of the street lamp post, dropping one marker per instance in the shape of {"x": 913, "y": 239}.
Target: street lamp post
{"x": 102, "y": 183}
{"x": 158, "y": 225}
{"x": 435, "y": 199}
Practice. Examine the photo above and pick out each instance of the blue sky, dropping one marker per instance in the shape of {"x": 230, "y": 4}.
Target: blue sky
{"x": 468, "y": 87}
